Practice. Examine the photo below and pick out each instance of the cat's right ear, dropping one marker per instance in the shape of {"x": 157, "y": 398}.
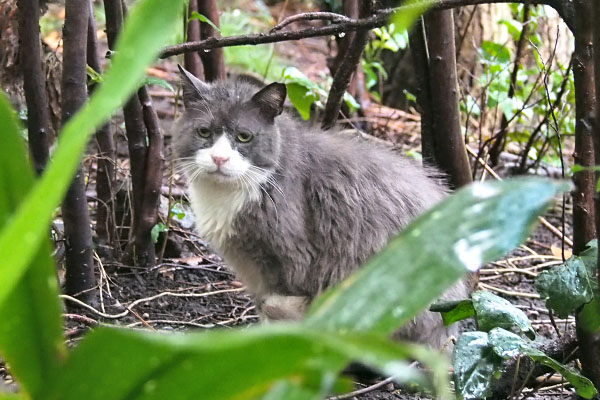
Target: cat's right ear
{"x": 193, "y": 88}
{"x": 270, "y": 100}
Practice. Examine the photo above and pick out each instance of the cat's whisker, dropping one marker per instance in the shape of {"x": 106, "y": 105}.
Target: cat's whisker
{"x": 260, "y": 185}
{"x": 269, "y": 179}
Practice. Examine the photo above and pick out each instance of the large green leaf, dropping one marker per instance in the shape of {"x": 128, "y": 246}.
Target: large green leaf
{"x": 567, "y": 287}
{"x": 495, "y": 312}
{"x": 475, "y": 365}
{"x": 508, "y": 345}
{"x": 149, "y": 24}
{"x": 31, "y": 339}
{"x": 155, "y": 366}
{"x": 476, "y": 225}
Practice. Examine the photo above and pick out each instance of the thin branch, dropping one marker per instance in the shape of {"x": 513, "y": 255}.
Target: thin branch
{"x": 345, "y": 71}
{"x": 311, "y": 16}
{"x": 374, "y": 21}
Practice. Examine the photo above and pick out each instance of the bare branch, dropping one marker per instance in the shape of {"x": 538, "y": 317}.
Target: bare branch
{"x": 379, "y": 19}
{"x": 311, "y": 16}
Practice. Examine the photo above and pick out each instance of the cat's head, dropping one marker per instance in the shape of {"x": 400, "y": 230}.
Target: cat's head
{"x": 228, "y": 133}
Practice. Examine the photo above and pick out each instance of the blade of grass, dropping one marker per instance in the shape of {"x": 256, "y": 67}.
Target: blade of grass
{"x": 31, "y": 340}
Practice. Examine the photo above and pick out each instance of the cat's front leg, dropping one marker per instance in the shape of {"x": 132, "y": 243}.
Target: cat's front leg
{"x": 275, "y": 307}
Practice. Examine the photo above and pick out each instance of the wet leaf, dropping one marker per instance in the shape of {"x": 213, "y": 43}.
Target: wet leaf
{"x": 565, "y": 288}
{"x": 495, "y": 312}
{"x": 158, "y": 366}
{"x": 478, "y": 224}
{"x": 31, "y": 340}
{"x": 475, "y": 364}
{"x": 508, "y": 345}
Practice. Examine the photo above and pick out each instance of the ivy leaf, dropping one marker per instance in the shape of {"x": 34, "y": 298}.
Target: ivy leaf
{"x": 475, "y": 364}
{"x": 493, "y": 311}
{"x": 566, "y": 287}
{"x": 508, "y": 345}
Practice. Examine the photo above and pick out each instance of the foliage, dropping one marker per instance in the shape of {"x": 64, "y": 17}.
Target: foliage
{"x": 304, "y": 93}
{"x": 537, "y": 85}
{"x": 478, "y": 355}
{"x": 260, "y": 60}
{"x": 572, "y": 288}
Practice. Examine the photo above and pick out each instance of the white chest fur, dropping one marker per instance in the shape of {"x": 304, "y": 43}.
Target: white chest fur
{"x": 215, "y": 208}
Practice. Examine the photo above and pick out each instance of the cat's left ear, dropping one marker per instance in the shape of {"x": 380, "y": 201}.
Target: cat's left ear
{"x": 193, "y": 88}
{"x": 270, "y": 100}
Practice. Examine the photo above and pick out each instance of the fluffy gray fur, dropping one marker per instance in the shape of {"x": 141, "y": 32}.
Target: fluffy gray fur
{"x": 329, "y": 204}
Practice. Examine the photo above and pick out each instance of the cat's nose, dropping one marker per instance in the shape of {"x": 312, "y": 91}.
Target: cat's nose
{"x": 219, "y": 161}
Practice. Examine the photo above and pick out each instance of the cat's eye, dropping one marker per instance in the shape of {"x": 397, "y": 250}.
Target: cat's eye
{"x": 204, "y": 132}
{"x": 244, "y": 137}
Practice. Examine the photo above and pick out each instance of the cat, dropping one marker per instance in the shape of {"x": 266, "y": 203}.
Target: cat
{"x": 292, "y": 209}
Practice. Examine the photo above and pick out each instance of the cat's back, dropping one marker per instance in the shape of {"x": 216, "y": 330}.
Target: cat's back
{"x": 364, "y": 173}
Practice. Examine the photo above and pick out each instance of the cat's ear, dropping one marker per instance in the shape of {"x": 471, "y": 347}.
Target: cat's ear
{"x": 270, "y": 100}
{"x": 193, "y": 88}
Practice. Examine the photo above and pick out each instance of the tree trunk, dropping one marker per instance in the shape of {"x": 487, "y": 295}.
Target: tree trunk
{"x": 448, "y": 143}
{"x": 418, "y": 47}
{"x": 588, "y": 31}
{"x": 105, "y": 172}
{"x": 191, "y": 60}
{"x": 214, "y": 62}
{"x": 144, "y": 141}
{"x": 80, "y": 279}
{"x": 34, "y": 82}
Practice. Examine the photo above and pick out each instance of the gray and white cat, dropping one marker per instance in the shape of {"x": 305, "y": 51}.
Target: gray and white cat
{"x": 294, "y": 210}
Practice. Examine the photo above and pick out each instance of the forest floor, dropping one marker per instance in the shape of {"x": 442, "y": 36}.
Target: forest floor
{"x": 191, "y": 288}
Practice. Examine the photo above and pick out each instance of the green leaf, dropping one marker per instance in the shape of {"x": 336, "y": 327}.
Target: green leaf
{"x": 495, "y": 312}
{"x": 476, "y": 225}
{"x": 144, "y": 33}
{"x": 202, "y": 18}
{"x": 475, "y": 365}
{"x": 495, "y": 52}
{"x": 508, "y": 345}
{"x": 453, "y": 311}
{"x": 31, "y": 339}
{"x": 152, "y": 80}
{"x": 158, "y": 366}
{"x": 157, "y": 230}
{"x": 406, "y": 16}
{"x": 565, "y": 288}
{"x": 302, "y": 98}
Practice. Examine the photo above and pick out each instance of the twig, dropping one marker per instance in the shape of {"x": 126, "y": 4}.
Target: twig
{"x": 311, "y": 16}
{"x": 363, "y": 390}
{"x": 145, "y": 300}
{"x": 542, "y": 220}
{"x": 344, "y": 72}
{"x": 509, "y": 292}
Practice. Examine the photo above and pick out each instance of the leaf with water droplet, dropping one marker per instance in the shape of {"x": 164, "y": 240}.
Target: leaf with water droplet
{"x": 478, "y": 224}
